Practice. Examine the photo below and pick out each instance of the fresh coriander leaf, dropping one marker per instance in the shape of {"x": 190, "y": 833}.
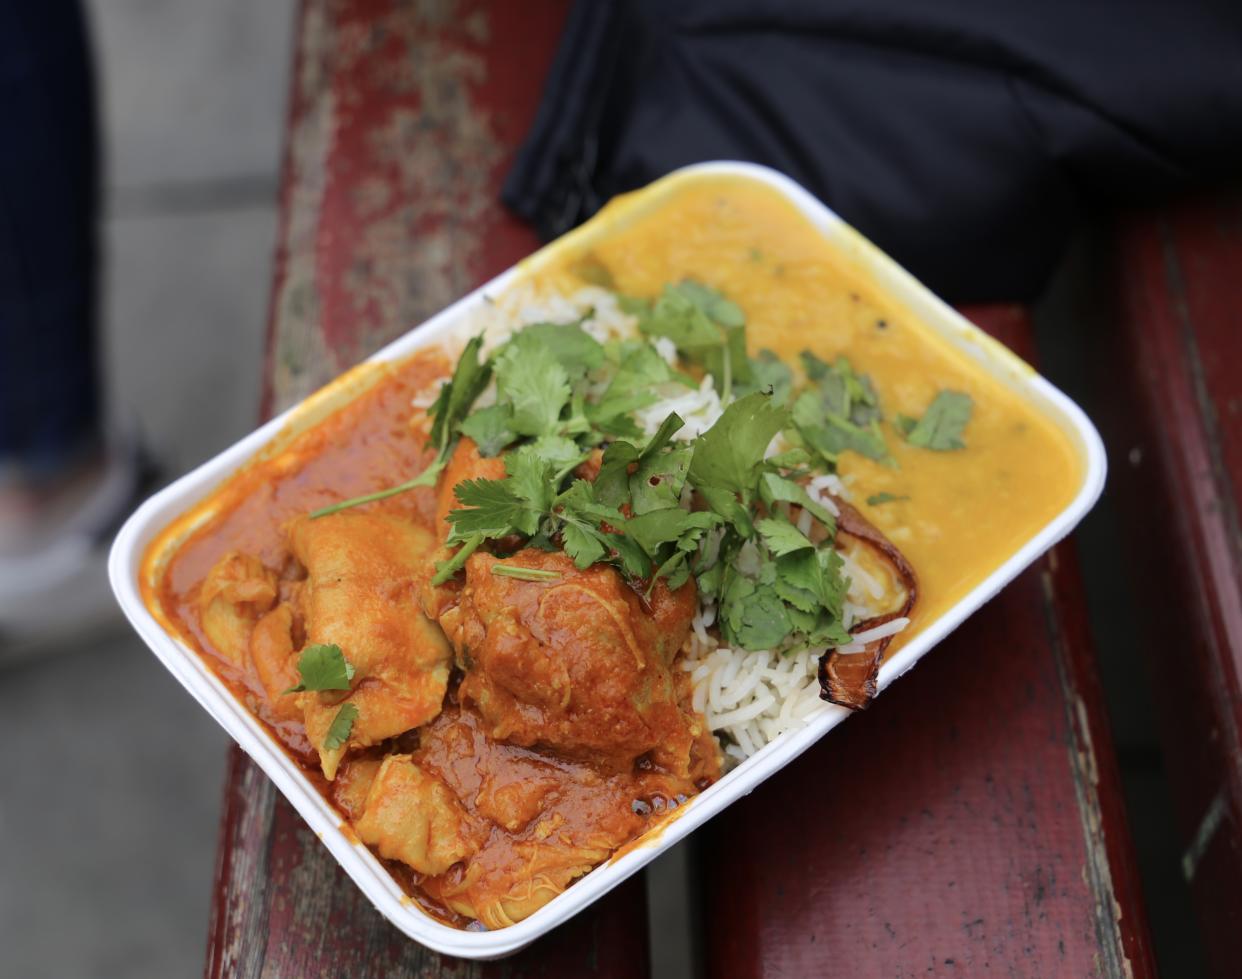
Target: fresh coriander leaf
{"x": 726, "y": 504}
{"x": 559, "y": 455}
{"x": 658, "y": 479}
{"x": 878, "y": 499}
{"x": 798, "y": 600}
{"x": 612, "y": 485}
{"x": 536, "y": 386}
{"x": 675, "y": 571}
{"x": 796, "y": 458}
{"x": 778, "y": 489}
{"x": 811, "y": 580}
{"x": 470, "y": 377}
{"x": 831, "y": 434}
{"x": 323, "y": 667}
{"x": 768, "y": 373}
{"x": 582, "y": 543}
{"x": 634, "y": 560}
{"x": 904, "y": 424}
{"x": 832, "y": 582}
{"x": 574, "y": 349}
{"x": 530, "y": 479}
{"x": 446, "y": 569}
{"x": 525, "y": 574}
{"x": 582, "y": 536}
{"x": 490, "y": 508}
{"x": 634, "y": 305}
{"x": 658, "y": 527}
{"x": 706, "y": 327}
{"x": 940, "y": 428}
{"x": 677, "y": 316}
{"x": 781, "y": 536}
{"x": 843, "y": 391}
{"x": 342, "y": 725}
{"x": 730, "y": 453}
{"x": 489, "y": 427}
{"x": 660, "y": 472}
{"x": 841, "y": 412}
{"x": 754, "y": 616}
{"x": 709, "y": 579}
{"x": 713, "y": 303}
{"x": 640, "y": 369}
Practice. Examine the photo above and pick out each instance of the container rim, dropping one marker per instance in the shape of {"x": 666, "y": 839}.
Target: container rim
{"x": 126, "y": 562}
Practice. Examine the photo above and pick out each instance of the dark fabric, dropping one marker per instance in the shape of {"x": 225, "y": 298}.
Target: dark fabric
{"x": 965, "y": 137}
{"x": 49, "y": 392}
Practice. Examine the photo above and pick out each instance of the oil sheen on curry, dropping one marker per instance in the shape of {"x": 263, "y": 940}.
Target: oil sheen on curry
{"x": 521, "y": 598}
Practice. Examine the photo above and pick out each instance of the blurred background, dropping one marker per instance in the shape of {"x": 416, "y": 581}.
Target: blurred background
{"x": 109, "y": 810}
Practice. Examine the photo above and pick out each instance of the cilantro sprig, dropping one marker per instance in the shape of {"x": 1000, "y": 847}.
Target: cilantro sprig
{"x": 940, "y": 429}
{"x": 839, "y": 411}
{"x": 708, "y": 330}
{"x": 541, "y": 502}
{"x": 341, "y": 727}
{"x": 323, "y": 667}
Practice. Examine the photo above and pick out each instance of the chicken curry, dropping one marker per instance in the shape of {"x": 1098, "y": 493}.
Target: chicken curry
{"x": 466, "y": 618}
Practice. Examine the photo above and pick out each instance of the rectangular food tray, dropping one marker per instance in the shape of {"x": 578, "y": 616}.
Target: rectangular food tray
{"x": 126, "y": 566}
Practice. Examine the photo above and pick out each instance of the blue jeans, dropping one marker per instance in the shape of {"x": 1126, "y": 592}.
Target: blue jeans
{"x": 49, "y": 383}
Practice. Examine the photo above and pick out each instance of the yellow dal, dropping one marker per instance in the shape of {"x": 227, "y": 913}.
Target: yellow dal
{"x": 968, "y": 510}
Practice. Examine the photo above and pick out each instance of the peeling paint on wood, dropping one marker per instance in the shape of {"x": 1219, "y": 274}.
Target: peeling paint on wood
{"x": 404, "y": 116}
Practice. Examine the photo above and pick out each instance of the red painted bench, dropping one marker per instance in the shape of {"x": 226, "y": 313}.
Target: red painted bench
{"x": 969, "y": 821}
{"x": 1172, "y": 358}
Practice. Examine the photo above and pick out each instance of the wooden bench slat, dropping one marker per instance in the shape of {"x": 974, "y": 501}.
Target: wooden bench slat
{"x": 1172, "y": 361}
{"x": 969, "y": 822}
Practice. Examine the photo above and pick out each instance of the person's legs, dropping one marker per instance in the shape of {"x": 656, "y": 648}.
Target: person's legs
{"x": 49, "y": 388}
{"x": 64, "y": 483}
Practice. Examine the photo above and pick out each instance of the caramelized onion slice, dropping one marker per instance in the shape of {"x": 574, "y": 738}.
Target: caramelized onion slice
{"x": 849, "y": 679}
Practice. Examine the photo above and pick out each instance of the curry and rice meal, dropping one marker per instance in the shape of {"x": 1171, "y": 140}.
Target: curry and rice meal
{"x": 519, "y": 600}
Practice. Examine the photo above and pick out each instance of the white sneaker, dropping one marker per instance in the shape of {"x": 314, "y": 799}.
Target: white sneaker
{"x": 57, "y": 589}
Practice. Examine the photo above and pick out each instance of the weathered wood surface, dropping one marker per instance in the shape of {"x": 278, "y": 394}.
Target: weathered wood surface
{"x": 969, "y": 823}
{"x": 1173, "y": 358}
{"x": 404, "y": 117}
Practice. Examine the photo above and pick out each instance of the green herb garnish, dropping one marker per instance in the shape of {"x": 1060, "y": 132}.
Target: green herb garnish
{"x": 878, "y": 499}
{"x": 840, "y": 412}
{"x": 525, "y": 574}
{"x": 941, "y": 427}
{"x": 342, "y": 725}
{"x": 708, "y": 329}
{"x": 323, "y": 667}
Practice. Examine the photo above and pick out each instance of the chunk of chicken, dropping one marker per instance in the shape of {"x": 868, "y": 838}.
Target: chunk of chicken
{"x": 556, "y": 819}
{"x": 272, "y": 652}
{"x": 413, "y": 817}
{"x": 360, "y": 594}
{"x": 237, "y": 591}
{"x": 575, "y": 663}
